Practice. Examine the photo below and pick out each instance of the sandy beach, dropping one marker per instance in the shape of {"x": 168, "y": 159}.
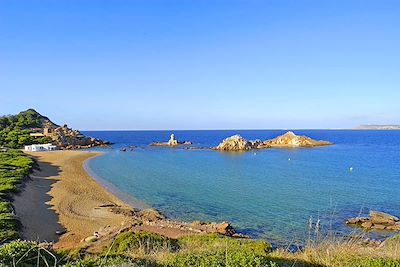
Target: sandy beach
{"x": 62, "y": 185}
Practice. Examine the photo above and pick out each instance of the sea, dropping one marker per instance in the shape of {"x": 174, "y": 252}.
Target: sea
{"x": 283, "y": 195}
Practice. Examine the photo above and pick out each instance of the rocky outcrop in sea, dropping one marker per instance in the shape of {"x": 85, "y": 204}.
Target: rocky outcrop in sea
{"x": 376, "y": 221}
{"x": 289, "y": 139}
{"x": 171, "y": 142}
{"x": 238, "y": 143}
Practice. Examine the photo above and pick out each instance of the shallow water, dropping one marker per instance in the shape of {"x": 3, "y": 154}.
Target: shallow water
{"x": 268, "y": 193}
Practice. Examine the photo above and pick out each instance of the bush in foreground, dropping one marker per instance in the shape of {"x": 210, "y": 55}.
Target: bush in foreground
{"x": 26, "y": 253}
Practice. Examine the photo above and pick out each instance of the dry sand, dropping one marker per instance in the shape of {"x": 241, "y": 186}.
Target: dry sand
{"x": 63, "y": 183}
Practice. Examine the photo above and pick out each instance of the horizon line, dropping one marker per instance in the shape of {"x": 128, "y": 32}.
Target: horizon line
{"x": 253, "y": 129}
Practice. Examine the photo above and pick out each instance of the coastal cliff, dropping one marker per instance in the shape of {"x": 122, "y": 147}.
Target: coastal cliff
{"x": 68, "y": 138}
{"x": 289, "y": 139}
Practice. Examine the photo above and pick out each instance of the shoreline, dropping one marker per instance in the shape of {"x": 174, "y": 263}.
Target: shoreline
{"x": 123, "y": 196}
{"x": 68, "y": 196}
{"x": 82, "y": 209}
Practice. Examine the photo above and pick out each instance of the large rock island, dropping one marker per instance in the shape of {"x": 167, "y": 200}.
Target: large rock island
{"x": 238, "y": 143}
{"x": 289, "y": 139}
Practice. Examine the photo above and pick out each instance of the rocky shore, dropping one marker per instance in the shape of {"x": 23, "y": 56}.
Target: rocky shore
{"x": 152, "y": 220}
{"x": 63, "y": 137}
{"x": 289, "y": 140}
{"x": 376, "y": 221}
{"x": 68, "y": 138}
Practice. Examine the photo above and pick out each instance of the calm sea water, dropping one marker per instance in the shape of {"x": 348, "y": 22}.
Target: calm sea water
{"x": 268, "y": 193}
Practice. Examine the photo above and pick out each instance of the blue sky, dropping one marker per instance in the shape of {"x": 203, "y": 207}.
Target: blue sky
{"x": 199, "y": 64}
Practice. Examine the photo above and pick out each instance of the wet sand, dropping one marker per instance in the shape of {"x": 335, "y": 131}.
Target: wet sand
{"x": 61, "y": 194}
{"x": 39, "y": 222}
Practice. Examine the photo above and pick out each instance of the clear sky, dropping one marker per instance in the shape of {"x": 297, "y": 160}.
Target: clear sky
{"x": 199, "y": 64}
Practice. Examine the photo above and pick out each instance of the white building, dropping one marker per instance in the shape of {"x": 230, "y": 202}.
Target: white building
{"x": 40, "y": 147}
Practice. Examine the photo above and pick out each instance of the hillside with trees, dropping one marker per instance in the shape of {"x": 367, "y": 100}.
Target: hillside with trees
{"x": 15, "y": 130}
{"x": 30, "y": 127}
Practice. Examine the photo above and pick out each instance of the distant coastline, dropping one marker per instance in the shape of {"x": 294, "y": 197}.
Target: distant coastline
{"x": 378, "y": 127}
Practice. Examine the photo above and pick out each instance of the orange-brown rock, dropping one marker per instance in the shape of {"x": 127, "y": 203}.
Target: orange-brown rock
{"x": 235, "y": 143}
{"x": 290, "y": 139}
{"x": 377, "y": 220}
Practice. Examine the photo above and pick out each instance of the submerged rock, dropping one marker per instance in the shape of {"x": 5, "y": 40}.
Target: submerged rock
{"x": 289, "y": 139}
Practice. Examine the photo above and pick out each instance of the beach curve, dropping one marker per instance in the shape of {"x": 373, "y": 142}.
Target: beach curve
{"x": 76, "y": 197}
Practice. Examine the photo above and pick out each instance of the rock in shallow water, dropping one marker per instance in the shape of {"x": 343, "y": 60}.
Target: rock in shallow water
{"x": 377, "y": 221}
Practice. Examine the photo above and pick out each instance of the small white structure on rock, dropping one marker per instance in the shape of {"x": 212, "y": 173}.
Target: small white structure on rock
{"x": 172, "y": 141}
{"x": 40, "y": 147}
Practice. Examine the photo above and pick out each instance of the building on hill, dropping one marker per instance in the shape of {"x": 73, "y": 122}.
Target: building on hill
{"x": 40, "y": 147}
{"x": 37, "y": 135}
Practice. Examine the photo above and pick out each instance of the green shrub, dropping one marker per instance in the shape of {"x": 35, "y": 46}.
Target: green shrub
{"x": 101, "y": 261}
{"x": 148, "y": 242}
{"x": 14, "y": 166}
{"x": 25, "y": 253}
{"x": 15, "y": 129}
{"x": 220, "y": 258}
{"x": 377, "y": 262}
{"x": 217, "y": 241}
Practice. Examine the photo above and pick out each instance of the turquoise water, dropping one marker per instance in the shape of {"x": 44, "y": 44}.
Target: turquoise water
{"x": 265, "y": 193}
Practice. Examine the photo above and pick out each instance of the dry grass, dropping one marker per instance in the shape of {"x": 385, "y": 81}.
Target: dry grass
{"x": 340, "y": 252}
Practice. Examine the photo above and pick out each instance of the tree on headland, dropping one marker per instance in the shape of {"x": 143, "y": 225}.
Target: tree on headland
{"x": 15, "y": 129}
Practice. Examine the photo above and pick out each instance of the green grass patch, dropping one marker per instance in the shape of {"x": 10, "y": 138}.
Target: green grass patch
{"x": 14, "y": 166}
{"x": 376, "y": 262}
{"x": 26, "y": 254}
{"x": 220, "y": 258}
{"x": 147, "y": 242}
{"x": 220, "y": 242}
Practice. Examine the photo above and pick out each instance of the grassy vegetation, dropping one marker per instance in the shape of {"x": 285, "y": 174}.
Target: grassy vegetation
{"x": 346, "y": 253}
{"x": 15, "y": 129}
{"x": 14, "y": 165}
{"x": 149, "y": 249}
{"x": 207, "y": 250}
